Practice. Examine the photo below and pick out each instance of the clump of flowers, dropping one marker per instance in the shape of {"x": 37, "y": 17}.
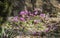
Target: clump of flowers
{"x": 31, "y": 21}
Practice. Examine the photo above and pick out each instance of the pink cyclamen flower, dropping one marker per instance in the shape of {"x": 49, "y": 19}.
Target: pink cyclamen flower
{"x": 36, "y": 12}
{"x": 15, "y": 18}
{"x": 25, "y": 12}
{"x": 22, "y": 19}
{"x": 42, "y": 15}
{"x": 22, "y": 13}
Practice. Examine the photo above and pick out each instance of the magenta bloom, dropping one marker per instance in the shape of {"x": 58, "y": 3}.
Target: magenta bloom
{"x": 22, "y": 19}
{"x": 36, "y": 13}
{"x": 42, "y": 15}
{"x": 24, "y": 12}
{"x": 15, "y": 18}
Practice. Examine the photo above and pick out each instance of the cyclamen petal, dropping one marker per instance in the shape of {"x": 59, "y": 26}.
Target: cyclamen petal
{"x": 42, "y": 15}
{"x": 26, "y": 12}
{"x": 36, "y": 12}
{"x": 22, "y": 19}
{"x": 22, "y": 13}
